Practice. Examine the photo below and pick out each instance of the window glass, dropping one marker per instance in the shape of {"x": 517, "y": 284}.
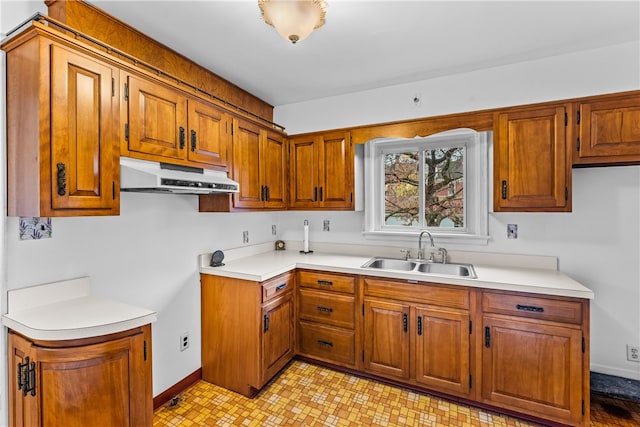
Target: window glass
{"x": 439, "y": 183}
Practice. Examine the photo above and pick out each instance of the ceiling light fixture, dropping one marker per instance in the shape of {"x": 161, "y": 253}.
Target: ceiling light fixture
{"x": 293, "y": 19}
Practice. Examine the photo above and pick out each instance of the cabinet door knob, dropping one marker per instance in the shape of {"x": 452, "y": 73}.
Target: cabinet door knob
{"x": 62, "y": 179}
{"x": 193, "y": 140}
{"x": 181, "y": 137}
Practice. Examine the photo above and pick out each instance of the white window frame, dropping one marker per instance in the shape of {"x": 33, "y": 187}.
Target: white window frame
{"x": 476, "y": 187}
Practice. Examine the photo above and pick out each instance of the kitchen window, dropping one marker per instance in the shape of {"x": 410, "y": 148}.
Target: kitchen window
{"x": 437, "y": 183}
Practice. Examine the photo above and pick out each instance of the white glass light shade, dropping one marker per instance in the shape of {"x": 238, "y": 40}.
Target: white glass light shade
{"x": 293, "y": 19}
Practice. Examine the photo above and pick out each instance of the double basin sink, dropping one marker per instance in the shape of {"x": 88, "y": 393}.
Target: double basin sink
{"x": 421, "y": 266}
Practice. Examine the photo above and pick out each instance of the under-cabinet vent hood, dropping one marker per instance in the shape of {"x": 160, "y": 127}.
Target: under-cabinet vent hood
{"x": 154, "y": 177}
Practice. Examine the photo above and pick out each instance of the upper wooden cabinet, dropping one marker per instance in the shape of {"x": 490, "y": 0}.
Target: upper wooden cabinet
{"x": 608, "y": 130}
{"x": 321, "y": 171}
{"x": 259, "y": 166}
{"x": 62, "y": 130}
{"x": 532, "y": 161}
{"x": 164, "y": 124}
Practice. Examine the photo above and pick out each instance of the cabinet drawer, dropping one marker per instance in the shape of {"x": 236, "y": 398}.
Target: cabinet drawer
{"x": 277, "y": 286}
{"x": 328, "y": 308}
{"x": 426, "y": 293}
{"x": 534, "y": 307}
{"x": 327, "y": 282}
{"x": 325, "y": 342}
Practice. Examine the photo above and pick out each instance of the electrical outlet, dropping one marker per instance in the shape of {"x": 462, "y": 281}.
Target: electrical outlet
{"x": 184, "y": 341}
{"x": 245, "y": 237}
{"x": 512, "y": 231}
{"x": 274, "y": 230}
{"x": 326, "y": 225}
{"x": 633, "y": 353}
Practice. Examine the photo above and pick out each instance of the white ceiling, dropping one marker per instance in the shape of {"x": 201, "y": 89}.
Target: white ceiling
{"x": 370, "y": 44}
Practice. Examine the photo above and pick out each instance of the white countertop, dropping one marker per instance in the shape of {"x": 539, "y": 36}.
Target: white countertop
{"x": 263, "y": 266}
{"x": 66, "y": 310}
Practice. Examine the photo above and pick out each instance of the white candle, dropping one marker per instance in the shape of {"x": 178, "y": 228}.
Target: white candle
{"x": 306, "y": 236}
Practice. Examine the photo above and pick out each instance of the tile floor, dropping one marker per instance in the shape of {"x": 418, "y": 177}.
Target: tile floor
{"x": 309, "y": 395}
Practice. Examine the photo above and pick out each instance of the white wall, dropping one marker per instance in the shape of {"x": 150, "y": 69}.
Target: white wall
{"x": 597, "y": 244}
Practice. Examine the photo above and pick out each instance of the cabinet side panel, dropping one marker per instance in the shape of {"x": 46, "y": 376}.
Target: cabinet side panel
{"x": 24, "y": 122}
{"x": 231, "y": 333}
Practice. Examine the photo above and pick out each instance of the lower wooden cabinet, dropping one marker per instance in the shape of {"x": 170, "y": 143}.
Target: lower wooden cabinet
{"x": 534, "y": 356}
{"x": 519, "y": 352}
{"x": 419, "y": 340}
{"x": 247, "y": 330}
{"x": 327, "y": 328}
{"x": 101, "y": 381}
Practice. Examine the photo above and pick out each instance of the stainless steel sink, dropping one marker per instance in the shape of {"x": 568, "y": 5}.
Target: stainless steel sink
{"x": 391, "y": 264}
{"x": 421, "y": 266}
{"x": 462, "y": 270}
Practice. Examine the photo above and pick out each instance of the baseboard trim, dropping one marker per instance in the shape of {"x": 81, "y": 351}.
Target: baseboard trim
{"x": 177, "y": 388}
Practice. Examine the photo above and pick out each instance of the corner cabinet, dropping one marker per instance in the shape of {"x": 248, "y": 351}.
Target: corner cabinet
{"x": 62, "y": 129}
{"x": 247, "y": 330}
{"x": 532, "y": 160}
{"x": 259, "y": 165}
{"x": 321, "y": 171}
{"x": 164, "y": 124}
{"x": 108, "y": 377}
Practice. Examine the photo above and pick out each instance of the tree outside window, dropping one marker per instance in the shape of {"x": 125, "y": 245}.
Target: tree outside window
{"x": 438, "y": 175}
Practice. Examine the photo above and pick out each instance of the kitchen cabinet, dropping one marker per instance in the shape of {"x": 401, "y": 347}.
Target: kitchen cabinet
{"x": 62, "y": 129}
{"x": 608, "y": 130}
{"x": 164, "y": 124}
{"x": 321, "y": 171}
{"x": 260, "y": 166}
{"x": 542, "y": 342}
{"x": 247, "y": 330}
{"x": 327, "y": 317}
{"x": 532, "y": 159}
{"x": 99, "y": 381}
{"x": 418, "y": 333}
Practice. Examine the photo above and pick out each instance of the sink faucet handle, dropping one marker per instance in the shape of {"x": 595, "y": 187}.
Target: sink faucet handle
{"x": 443, "y": 254}
{"x": 406, "y": 253}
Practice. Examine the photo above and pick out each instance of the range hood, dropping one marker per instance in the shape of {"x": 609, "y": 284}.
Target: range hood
{"x": 154, "y": 177}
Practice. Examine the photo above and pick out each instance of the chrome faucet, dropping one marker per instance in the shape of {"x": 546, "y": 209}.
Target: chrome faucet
{"x": 420, "y": 252}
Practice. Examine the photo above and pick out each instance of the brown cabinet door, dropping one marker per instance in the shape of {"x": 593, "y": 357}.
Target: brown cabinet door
{"x": 84, "y": 147}
{"x": 303, "y": 170}
{"x": 23, "y": 407}
{"x": 610, "y": 129}
{"x": 386, "y": 338}
{"x": 442, "y": 350}
{"x": 273, "y": 154}
{"x": 103, "y": 384}
{"x": 278, "y": 336}
{"x": 336, "y": 171}
{"x": 532, "y": 166}
{"x": 157, "y": 119}
{"x": 207, "y": 138}
{"x": 534, "y": 367}
{"x": 247, "y": 164}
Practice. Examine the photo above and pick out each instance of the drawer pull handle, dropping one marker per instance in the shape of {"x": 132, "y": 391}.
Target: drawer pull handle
{"x": 530, "y": 308}
{"x": 325, "y": 282}
{"x": 325, "y": 309}
{"x": 281, "y": 287}
{"x": 322, "y": 343}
